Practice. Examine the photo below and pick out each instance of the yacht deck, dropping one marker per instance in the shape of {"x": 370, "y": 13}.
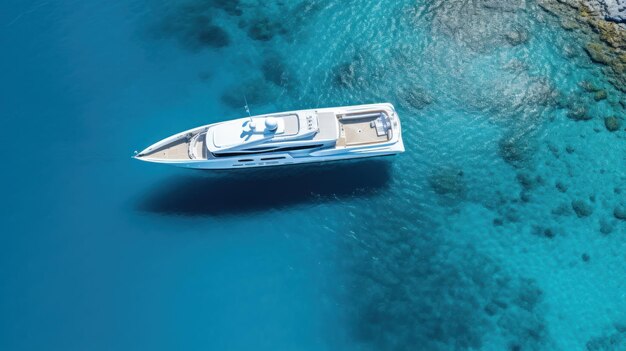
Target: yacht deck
{"x": 359, "y": 132}
{"x": 178, "y": 150}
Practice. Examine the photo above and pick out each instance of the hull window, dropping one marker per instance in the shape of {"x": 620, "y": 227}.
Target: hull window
{"x": 280, "y": 149}
{"x": 273, "y": 158}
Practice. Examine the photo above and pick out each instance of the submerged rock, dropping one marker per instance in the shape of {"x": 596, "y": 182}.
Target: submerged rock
{"x": 350, "y": 74}
{"x": 479, "y": 25}
{"x": 607, "y": 40}
{"x": 510, "y": 213}
{"x": 516, "y": 150}
{"x": 582, "y": 208}
{"x": 578, "y": 113}
{"x": 610, "y": 34}
{"x": 554, "y": 150}
{"x": 192, "y": 27}
{"x": 263, "y": 29}
{"x": 527, "y": 181}
{"x": 276, "y": 71}
{"x": 589, "y": 86}
{"x": 517, "y": 36}
{"x": 597, "y": 54}
{"x": 605, "y": 227}
{"x": 612, "y": 123}
{"x": 435, "y": 294}
{"x": 544, "y": 232}
{"x": 569, "y": 51}
{"x": 345, "y": 75}
{"x": 232, "y": 7}
{"x": 529, "y": 295}
{"x": 612, "y": 342}
{"x": 515, "y": 66}
{"x": 600, "y": 95}
{"x": 213, "y": 36}
{"x": 568, "y": 24}
{"x": 449, "y": 182}
{"x": 620, "y": 212}
{"x": 541, "y": 91}
{"x": 417, "y": 98}
{"x": 562, "y": 210}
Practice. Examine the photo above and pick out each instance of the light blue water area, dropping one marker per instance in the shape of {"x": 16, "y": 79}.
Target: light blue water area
{"x": 495, "y": 230}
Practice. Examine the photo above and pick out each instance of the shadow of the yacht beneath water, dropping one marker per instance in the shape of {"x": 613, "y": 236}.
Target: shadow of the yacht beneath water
{"x": 245, "y": 191}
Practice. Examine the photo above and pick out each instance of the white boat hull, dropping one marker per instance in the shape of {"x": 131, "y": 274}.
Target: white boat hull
{"x": 289, "y": 160}
{"x": 272, "y": 159}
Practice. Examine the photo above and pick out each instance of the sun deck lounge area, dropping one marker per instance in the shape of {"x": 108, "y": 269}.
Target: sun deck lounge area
{"x": 360, "y": 130}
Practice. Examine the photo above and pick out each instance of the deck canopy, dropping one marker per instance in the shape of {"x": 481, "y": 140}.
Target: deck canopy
{"x": 262, "y": 132}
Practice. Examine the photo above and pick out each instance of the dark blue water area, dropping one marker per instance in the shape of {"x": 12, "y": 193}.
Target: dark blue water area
{"x": 498, "y": 229}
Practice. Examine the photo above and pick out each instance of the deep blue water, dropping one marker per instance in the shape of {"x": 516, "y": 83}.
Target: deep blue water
{"x": 467, "y": 241}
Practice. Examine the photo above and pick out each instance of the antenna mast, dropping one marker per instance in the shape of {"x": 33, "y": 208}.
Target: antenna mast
{"x": 251, "y": 124}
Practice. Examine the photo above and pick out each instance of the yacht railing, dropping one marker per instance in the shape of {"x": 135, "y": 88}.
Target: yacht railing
{"x": 193, "y": 142}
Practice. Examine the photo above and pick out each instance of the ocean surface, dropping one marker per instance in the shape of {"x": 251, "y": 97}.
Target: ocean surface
{"x": 498, "y": 229}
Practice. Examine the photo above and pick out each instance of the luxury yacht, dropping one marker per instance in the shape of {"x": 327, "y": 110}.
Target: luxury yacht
{"x": 316, "y": 135}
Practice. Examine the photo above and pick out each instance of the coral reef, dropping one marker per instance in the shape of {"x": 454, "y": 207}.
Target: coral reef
{"x": 232, "y": 7}
{"x": 517, "y": 36}
{"x": 281, "y": 19}
{"x": 276, "y": 71}
{"x": 589, "y": 18}
{"x": 612, "y": 342}
{"x": 561, "y": 187}
{"x": 449, "y": 182}
{"x": 516, "y": 149}
{"x": 589, "y": 86}
{"x": 192, "y": 27}
{"x": 264, "y": 29}
{"x": 518, "y": 90}
{"x": 612, "y": 123}
{"x": 527, "y": 181}
{"x": 600, "y": 95}
{"x": 597, "y": 54}
{"x": 416, "y": 98}
{"x": 578, "y": 113}
{"x": 606, "y": 227}
{"x": 406, "y": 286}
{"x": 582, "y": 208}
{"x": 212, "y": 36}
{"x": 345, "y": 74}
{"x": 544, "y": 232}
{"x": 193, "y": 24}
{"x": 620, "y": 212}
{"x": 481, "y": 25}
{"x": 411, "y": 289}
{"x": 361, "y": 71}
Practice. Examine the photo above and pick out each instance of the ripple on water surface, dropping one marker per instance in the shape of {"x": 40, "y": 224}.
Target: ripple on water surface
{"x": 501, "y": 227}
{"x": 501, "y": 201}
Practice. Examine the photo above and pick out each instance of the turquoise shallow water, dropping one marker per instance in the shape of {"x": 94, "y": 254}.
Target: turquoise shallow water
{"x": 467, "y": 241}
